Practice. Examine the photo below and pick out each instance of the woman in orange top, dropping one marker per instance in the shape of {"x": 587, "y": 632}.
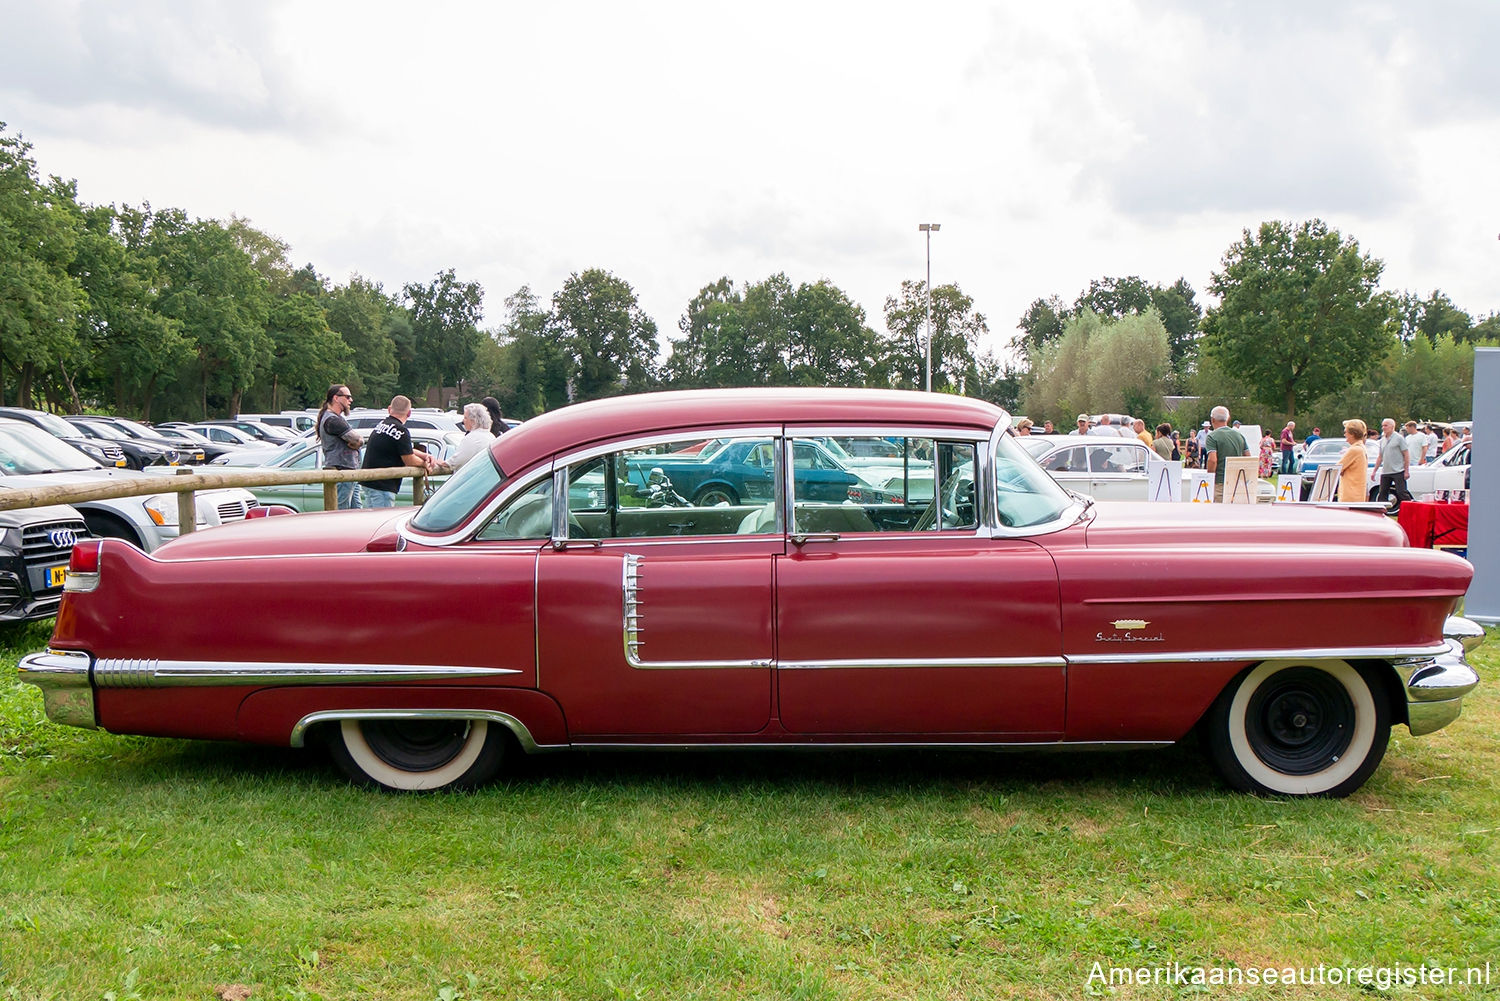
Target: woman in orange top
{"x": 1354, "y": 468}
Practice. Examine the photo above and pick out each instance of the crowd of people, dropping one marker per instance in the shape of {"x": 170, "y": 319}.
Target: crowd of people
{"x": 1415, "y": 445}
{"x": 390, "y": 446}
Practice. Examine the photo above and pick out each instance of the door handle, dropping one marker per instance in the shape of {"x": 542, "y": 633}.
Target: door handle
{"x": 802, "y": 538}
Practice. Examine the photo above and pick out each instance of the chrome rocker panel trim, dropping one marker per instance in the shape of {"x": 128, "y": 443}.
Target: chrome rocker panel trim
{"x": 515, "y": 726}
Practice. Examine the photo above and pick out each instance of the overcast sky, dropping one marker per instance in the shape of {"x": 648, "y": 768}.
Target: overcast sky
{"x": 672, "y": 143}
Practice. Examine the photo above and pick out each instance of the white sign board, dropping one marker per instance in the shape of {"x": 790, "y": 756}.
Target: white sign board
{"x": 1322, "y": 488}
{"x": 1163, "y": 481}
{"x": 1241, "y": 484}
{"x": 1288, "y": 487}
{"x": 1199, "y": 484}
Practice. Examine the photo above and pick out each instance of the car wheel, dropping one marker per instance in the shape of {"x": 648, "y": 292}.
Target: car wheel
{"x": 418, "y": 754}
{"x": 1290, "y": 728}
{"x": 712, "y": 496}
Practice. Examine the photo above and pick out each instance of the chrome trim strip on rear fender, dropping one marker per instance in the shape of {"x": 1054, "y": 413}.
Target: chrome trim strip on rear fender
{"x": 1218, "y": 656}
{"x": 63, "y": 677}
{"x": 988, "y": 662}
{"x": 515, "y": 726}
{"x": 115, "y": 672}
{"x": 631, "y": 590}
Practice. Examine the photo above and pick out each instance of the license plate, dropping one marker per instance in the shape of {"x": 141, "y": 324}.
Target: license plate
{"x": 56, "y": 576}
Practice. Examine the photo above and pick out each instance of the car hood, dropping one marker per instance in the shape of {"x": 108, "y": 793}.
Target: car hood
{"x": 1158, "y": 524}
{"x": 290, "y": 535}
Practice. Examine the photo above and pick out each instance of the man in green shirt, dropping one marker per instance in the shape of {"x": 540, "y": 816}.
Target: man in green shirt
{"x": 1223, "y": 443}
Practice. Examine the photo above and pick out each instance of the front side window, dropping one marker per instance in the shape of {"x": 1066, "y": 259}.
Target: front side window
{"x": 528, "y": 515}
{"x": 1025, "y": 495}
{"x": 1117, "y": 459}
{"x": 875, "y": 483}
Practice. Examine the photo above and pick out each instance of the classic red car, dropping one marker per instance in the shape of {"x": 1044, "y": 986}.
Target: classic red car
{"x": 545, "y": 598}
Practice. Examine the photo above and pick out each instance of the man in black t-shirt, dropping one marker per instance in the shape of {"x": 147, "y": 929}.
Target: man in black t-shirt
{"x": 389, "y": 446}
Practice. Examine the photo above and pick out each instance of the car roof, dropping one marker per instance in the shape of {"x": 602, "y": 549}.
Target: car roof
{"x": 623, "y": 416}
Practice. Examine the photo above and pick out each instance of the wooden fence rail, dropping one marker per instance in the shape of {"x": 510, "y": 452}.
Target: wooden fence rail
{"x": 191, "y": 479}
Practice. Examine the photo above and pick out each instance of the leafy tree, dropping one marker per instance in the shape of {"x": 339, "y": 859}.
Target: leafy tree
{"x": 956, "y": 331}
{"x": 445, "y": 316}
{"x": 830, "y": 344}
{"x": 610, "y": 344}
{"x": 1181, "y": 316}
{"x": 306, "y": 354}
{"x": 40, "y": 225}
{"x": 214, "y": 289}
{"x": 133, "y": 349}
{"x": 360, "y": 313}
{"x": 521, "y": 365}
{"x": 1298, "y": 317}
{"x": 1040, "y": 325}
{"x": 1116, "y": 297}
{"x": 714, "y": 350}
{"x": 1101, "y": 364}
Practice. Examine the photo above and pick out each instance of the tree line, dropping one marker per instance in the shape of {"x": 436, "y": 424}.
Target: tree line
{"x": 149, "y": 312}
{"x": 1301, "y": 331}
{"x": 152, "y": 313}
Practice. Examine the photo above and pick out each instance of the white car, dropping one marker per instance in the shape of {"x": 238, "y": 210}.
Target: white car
{"x": 30, "y": 458}
{"x": 1449, "y": 471}
{"x": 1104, "y": 468}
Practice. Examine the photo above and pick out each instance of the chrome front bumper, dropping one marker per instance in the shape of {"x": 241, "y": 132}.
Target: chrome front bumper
{"x": 1436, "y": 686}
{"x": 63, "y": 677}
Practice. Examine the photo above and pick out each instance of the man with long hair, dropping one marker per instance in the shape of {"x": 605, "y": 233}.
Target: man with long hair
{"x": 340, "y": 442}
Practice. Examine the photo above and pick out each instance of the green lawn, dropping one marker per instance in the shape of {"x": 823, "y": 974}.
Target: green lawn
{"x": 168, "y": 869}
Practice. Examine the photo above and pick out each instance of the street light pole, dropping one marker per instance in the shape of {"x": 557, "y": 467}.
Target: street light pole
{"x": 929, "y": 228}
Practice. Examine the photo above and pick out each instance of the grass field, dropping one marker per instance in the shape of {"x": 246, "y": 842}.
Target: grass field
{"x": 135, "y": 868}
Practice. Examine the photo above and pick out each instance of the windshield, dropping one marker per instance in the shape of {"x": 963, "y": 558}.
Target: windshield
{"x": 1327, "y": 446}
{"x": 25, "y": 449}
{"x": 1033, "y": 444}
{"x": 98, "y": 430}
{"x": 1025, "y": 494}
{"x": 458, "y": 498}
{"x": 55, "y": 425}
{"x": 139, "y": 430}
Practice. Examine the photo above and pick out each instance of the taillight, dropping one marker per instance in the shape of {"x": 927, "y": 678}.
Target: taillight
{"x": 83, "y": 567}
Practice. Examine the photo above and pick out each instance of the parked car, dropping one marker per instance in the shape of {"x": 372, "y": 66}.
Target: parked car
{"x": 35, "y": 544}
{"x": 188, "y": 452}
{"x": 1449, "y": 471}
{"x": 426, "y": 418}
{"x": 294, "y": 421}
{"x": 188, "y": 438}
{"x": 29, "y": 457}
{"x": 1105, "y": 468}
{"x": 138, "y": 454}
{"x": 102, "y": 451}
{"x": 304, "y": 455}
{"x": 1005, "y": 612}
{"x": 1326, "y": 452}
{"x": 252, "y": 429}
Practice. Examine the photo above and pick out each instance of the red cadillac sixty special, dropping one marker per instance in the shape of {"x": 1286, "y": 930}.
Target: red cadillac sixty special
{"x": 794, "y": 568}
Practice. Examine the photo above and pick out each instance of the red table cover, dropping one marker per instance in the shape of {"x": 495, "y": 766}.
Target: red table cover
{"x": 1435, "y": 523}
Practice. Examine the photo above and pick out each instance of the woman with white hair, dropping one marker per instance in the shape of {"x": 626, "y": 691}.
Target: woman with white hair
{"x": 478, "y": 438}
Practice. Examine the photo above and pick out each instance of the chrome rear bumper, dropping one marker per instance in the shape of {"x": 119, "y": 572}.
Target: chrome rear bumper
{"x": 63, "y": 677}
{"x": 1436, "y": 686}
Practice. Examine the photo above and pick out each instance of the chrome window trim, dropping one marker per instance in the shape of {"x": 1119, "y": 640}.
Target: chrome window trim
{"x": 991, "y": 497}
{"x": 631, "y": 594}
{"x": 118, "y": 672}
{"x": 511, "y": 723}
{"x": 952, "y": 433}
{"x": 472, "y": 525}
{"x": 660, "y": 437}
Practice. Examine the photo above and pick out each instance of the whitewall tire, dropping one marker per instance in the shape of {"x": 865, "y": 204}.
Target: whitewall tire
{"x": 411, "y": 755}
{"x": 1294, "y": 728}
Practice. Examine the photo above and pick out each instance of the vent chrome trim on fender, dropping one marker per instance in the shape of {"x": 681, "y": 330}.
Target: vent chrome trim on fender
{"x": 631, "y": 589}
